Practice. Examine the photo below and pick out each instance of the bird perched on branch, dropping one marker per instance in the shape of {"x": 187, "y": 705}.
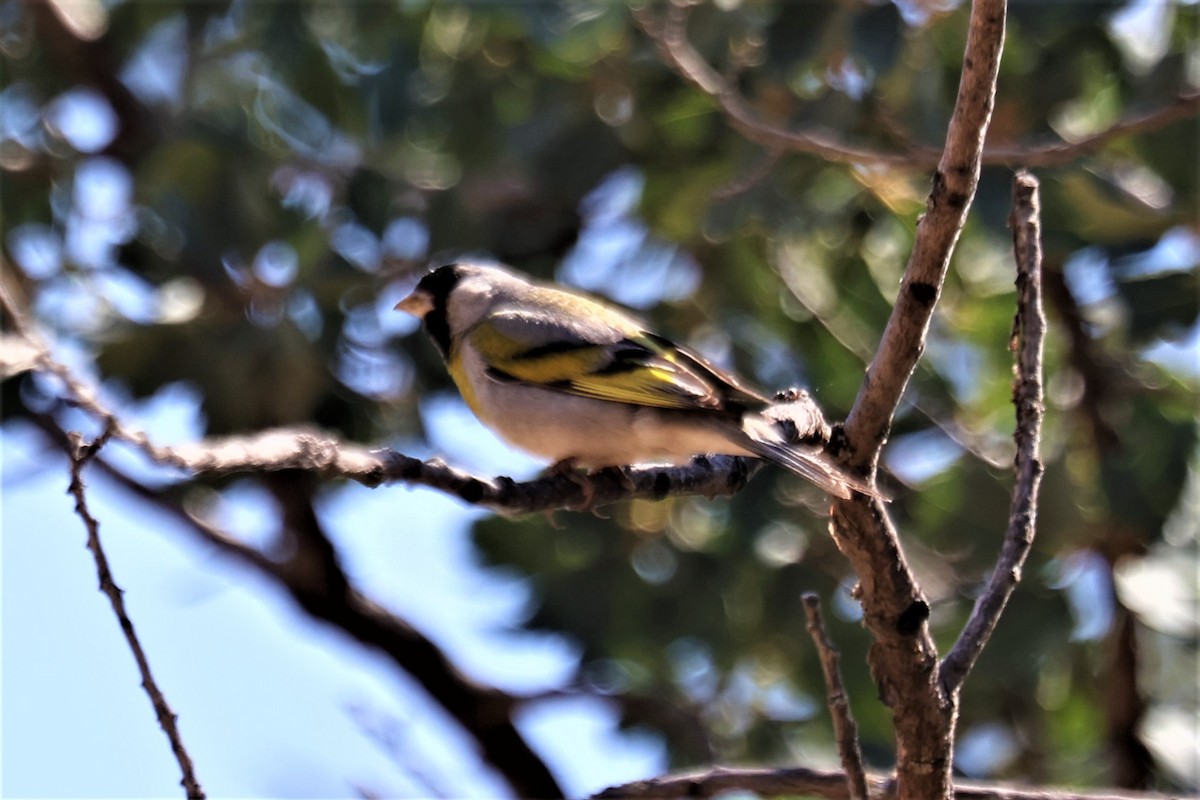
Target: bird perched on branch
{"x": 573, "y": 379}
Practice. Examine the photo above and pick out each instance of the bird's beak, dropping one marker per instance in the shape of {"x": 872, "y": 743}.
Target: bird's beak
{"x": 419, "y": 303}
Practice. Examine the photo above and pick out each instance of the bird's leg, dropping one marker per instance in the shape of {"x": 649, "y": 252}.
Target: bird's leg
{"x": 622, "y": 477}
{"x": 568, "y": 469}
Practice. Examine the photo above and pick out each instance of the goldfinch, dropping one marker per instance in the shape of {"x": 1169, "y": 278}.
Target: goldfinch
{"x": 573, "y": 379}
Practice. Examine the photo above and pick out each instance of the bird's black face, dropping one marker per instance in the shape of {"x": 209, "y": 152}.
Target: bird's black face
{"x": 428, "y": 301}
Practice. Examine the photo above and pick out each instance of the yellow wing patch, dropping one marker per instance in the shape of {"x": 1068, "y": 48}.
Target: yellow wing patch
{"x": 655, "y": 386}
{"x": 605, "y": 362}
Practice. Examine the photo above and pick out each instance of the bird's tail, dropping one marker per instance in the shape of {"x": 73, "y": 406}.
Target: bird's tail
{"x": 802, "y": 452}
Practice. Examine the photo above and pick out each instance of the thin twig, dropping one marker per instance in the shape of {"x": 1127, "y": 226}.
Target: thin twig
{"x": 1029, "y": 330}
{"x": 789, "y": 781}
{"x": 86, "y": 395}
{"x": 844, "y": 728}
{"x": 1184, "y": 106}
{"x": 831, "y": 785}
{"x": 485, "y": 712}
{"x": 392, "y": 734}
{"x": 669, "y": 35}
{"x": 81, "y": 454}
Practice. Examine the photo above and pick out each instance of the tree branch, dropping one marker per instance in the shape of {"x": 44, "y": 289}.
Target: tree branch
{"x": 669, "y": 34}
{"x": 844, "y": 729}
{"x": 670, "y": 37}
{"x": 903, "y": 656}
{"x": 81, "y": 454}
{"x": 1184, "y": 106}
{"x": 485, "y": 713}
{"x": 831, "y": 785}
{"x": 317, "y": 583}
{"x": 320, "y": 453}
{"x": 954, "y": 185}
{"x": 1029, "y": 330}
{"x": 763, "y": 782}
{"x": 853, "y": 341}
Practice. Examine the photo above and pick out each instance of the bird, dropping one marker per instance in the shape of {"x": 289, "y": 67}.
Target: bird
{"x": 578, "y": 381}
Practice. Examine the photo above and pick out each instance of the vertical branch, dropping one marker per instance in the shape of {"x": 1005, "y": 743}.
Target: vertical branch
{"x": 903, "y": 657}
{"x": 844, "y": 727}
{"x": 81, "y": 454}
{"x": 1029, "y": 330}
{"x": 950, "y": 198}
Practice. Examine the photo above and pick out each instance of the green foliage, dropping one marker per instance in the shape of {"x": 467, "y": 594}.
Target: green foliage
{"x": 312, "y": 158}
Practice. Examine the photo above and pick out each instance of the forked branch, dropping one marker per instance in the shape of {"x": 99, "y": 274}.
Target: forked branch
{"x": 844, "y": 728}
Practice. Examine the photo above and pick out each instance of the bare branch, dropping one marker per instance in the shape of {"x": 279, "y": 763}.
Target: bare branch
{"x": 903, "y": 657}
{"x": 954, "y": 185}
{"x": 831, "y": 785}
{"x": 670, "y": 37}
{"x": 35, "y": 354}
{"x": 1029, "y": 330}
{"x": 1185, "y": 106}
{"x": 709, "y": 476}
{"x": 483, "y": 711}
{"x": 81, "y": 453}
{"x": 320, "y": 453}
{"x": 763, "y": 782}
{"x": 325, "y": 455}
{"x": 844, "y": 728}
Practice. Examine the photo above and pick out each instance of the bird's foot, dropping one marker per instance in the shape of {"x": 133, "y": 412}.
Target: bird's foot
{"x": 621, "y": 475}
{"x": 568, "y": 469}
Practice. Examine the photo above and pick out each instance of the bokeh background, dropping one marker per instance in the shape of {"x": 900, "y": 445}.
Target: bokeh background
{"x": 212, "y": 207}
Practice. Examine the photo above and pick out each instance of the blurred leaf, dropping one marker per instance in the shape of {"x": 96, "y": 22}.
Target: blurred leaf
{"x": 878, "y": 35}
{"x": 1104, "y": 212}
{"x": 1161, "y": 306}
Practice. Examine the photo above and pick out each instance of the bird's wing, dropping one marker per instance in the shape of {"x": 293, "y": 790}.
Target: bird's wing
{"x": 603, "y": 355}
